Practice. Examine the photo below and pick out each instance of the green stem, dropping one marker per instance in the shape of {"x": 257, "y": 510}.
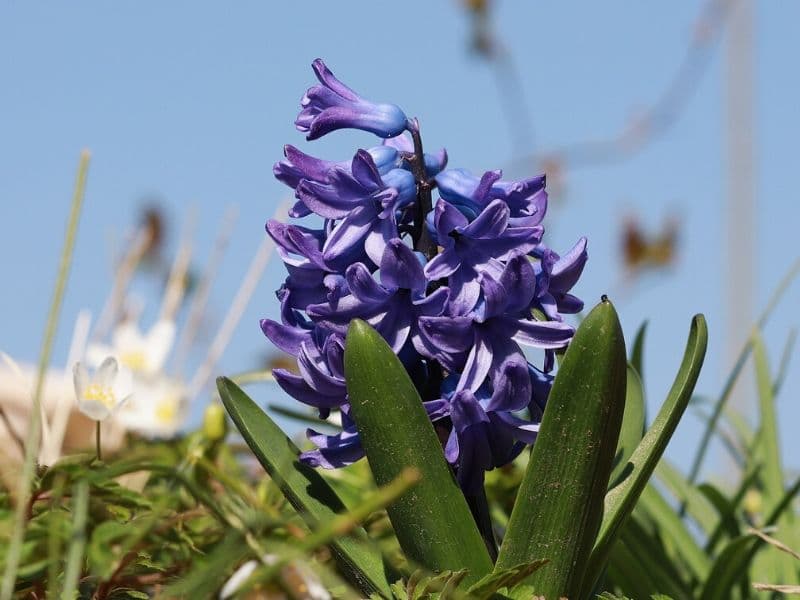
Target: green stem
{"x": 97, "y": 441}
{"x": 33, "y": 439}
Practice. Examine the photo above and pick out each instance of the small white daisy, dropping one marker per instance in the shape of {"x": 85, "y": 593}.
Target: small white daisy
{"x": 100, "y": 395}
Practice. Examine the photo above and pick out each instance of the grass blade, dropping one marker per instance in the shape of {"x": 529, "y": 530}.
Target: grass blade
{"x": 621, "y": 500}
{"x": 559, "y": 506}
{"x": 711, "y": 425}
{"x": 34, "y": 437}
{"x": 433, "y": 524}
{"x": 305, "y": 489}
{"x": 74, "y": 566}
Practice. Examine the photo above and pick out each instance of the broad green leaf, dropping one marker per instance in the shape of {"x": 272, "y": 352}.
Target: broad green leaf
{"x": 433, "y": 523}
{"x": 620, "y": 501}
{"x": 632, "y": 426}
{"x": 305, "y": 489}
{"x": 559, "y": 506}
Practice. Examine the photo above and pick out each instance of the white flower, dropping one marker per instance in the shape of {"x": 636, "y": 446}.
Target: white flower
{"x": 141, "y": 353}
{"x": 157, "y": 409}
{"x": 101, "y": 395}
{"x": 293, "y": 575}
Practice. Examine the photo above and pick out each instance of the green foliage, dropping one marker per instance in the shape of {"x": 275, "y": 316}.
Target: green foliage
{"x": 560, "y": 502}
{"x": 434, "y": 524}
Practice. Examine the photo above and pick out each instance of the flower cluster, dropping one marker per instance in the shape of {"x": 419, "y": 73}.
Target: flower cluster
{"x": 456, "y": 285}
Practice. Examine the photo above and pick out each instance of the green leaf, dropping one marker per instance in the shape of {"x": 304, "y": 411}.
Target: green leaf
{"x": 768, "y": 454}
{"x": 675, "y": 534}
{"x": 632, "y": 426}
{"x": 695, "y": 504}
{"x": 637, "y": 350}
{"x": 305, "y": 489}
{"x": 733, "y": 563}
{"x": 620, "y": 501}
{"x": 559, "y": 506}
{"x": 720, "y": 403}
{"x": 433, "y": 523}
{"x": 501, "y": 578}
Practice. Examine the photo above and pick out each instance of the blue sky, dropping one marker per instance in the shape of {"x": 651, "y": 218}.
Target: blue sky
{"x": 193, "y": 101}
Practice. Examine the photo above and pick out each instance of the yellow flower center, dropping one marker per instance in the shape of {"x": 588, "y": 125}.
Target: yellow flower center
{"x": 99, "y": 393}
{"x": 166, "y": 410}
{"x": 134, "y": 360}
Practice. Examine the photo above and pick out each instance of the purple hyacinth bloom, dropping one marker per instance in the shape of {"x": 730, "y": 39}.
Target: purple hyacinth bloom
{"x": 555, "y": 277}
{"x": 434, "y": 163}
{"x": 392, "y": 306}
{"x": 366, "y": 203}
{"x": 490, "y": 336}
{"x": 321, "y": 380}
{"x": 332, "y": 105}
{"x": 476, "y": 247}
{"x": 486, "y": 434}
{"x": 525, "y": 198}
{"x": 299, "y": 165}
{"x": 344, "y": 448}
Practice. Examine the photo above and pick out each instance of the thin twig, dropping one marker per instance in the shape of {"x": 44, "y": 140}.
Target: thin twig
{"x": 237, "y": 308}
{"x": 199, "y": 300}
{"x": 176, "y": 284}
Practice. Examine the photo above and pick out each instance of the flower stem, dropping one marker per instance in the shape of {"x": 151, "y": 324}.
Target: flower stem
{"x": 422, "y": 239}
{"x": 97, "y": 441}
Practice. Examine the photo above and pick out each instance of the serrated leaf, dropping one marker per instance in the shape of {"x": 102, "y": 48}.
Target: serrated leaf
{"x": 620, "y": 501}
{"x": 559, "y": 506}
{"x": 433, "y": 523}
{"x": 305, "y": 489}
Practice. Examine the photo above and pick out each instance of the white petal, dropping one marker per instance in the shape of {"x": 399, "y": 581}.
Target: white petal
{"x": 237, "y": 579}
{"x": 80, "y": 377}
{"x": 123, "y": 385}
{"x": 106, "y": 372}
{"x": 159, "y": 343}
{"x": 94, "y": 409}
{"x": 97, "y": 353}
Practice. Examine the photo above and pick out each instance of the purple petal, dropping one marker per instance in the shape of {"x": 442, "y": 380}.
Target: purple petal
{"x": 400, "y": 268}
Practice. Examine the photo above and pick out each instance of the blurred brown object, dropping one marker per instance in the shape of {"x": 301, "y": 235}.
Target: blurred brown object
{"x": 642, "y": 250}
{"x": 153, "y": 223}
{"x": 482, "y": 40}
{"x": 281, "y": 361}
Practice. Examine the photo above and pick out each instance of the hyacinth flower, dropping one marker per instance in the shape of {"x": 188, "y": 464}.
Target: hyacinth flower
{"x": 493, "y": 332}
{"x": 524, "y": 198}
{"x": 367, "y": 204}
{"x": 299, "y": 166}
{"x": 480, "y": 246}
{"x": 456, "y": 284}
{"x": 331, "y": 105}
{"x": 556, "y": 276}
{"x": 393, "y": 306}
